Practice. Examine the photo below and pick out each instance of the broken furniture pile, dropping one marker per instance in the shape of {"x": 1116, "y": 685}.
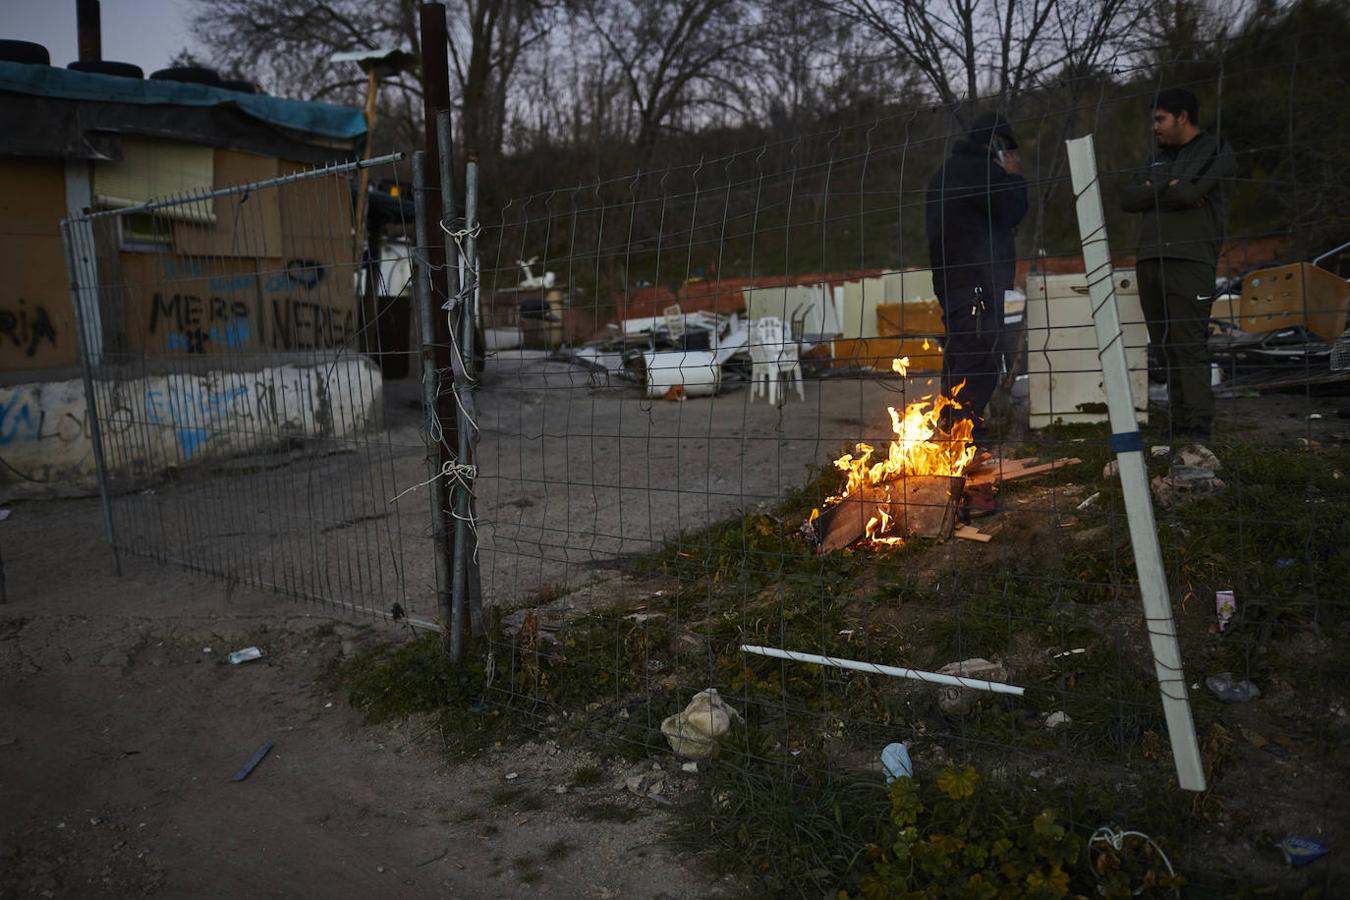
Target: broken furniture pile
{"x": 1285, "y": 329}
{"x": 679, "y": 355}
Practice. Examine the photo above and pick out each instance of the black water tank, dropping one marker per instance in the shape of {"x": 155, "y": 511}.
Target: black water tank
{"x": 188, "y": 75}
{"x": 24, "y": 52}
{"x": 107, "y": 67}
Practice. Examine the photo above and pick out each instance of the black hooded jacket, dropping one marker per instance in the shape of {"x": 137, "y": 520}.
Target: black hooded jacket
{"x": 972, "y": 209}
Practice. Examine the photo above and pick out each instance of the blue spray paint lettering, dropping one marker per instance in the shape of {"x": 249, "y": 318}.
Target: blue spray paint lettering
{"x": 17, "y": 423}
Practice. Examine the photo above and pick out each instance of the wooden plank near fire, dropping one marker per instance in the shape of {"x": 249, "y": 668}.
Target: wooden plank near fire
{"x": 922, "y": 506}
{"x": 995, "y": 471}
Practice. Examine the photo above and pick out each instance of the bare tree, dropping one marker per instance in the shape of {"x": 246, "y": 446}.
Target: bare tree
{"x": 792, "y": 61}
{"x": 286, "y": 46}
{"x": 487, "y": 38}
{"x": 968, "y": 49}
{"x": 676, "y": 56}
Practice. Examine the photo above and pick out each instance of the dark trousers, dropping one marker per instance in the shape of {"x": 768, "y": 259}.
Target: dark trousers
{"x": 1176, "y": 298}
{"x": 972, "y": 349}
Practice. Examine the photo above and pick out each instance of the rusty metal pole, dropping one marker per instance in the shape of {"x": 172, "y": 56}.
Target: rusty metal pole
{"x": 361, "y": 229}
{"x": 89, "y": 30}
{"x": 436, "y": 97}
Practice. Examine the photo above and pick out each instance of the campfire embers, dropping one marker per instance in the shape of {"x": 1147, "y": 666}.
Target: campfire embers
{"x": 912, "y": 490}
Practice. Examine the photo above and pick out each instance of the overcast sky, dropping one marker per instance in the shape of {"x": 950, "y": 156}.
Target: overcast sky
{"x": 145, "y": 32}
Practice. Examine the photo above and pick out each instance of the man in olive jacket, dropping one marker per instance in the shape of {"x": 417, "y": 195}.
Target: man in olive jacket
{"x": 1183, "y": 202}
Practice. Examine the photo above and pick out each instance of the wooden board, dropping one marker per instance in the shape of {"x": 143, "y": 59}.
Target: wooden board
{"x": 923, "y": 506}
{"x": 995, "y": 471}
{"x": 1296, "y": 294}
{"x": 878, "y": 353}
{"x": 920, "y": 317}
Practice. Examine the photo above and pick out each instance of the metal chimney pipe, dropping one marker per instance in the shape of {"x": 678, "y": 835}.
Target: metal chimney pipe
{"x": 89, "y": 29}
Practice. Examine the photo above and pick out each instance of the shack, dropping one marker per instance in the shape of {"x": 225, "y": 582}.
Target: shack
{"x": 100, "y": 136}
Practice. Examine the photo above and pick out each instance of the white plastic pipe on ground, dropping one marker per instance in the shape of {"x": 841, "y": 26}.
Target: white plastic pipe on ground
{"x": 977, "y": 684}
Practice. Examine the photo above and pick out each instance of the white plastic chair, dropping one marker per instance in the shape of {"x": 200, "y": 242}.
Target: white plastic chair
{"x": 674, "y": 317}
{"x": 773, "y": 355}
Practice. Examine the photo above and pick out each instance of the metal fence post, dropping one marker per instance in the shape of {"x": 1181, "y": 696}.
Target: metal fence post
{"x": 430, "y": 386}
{"x": 453, "y": 356}
{"x": 87, "y": 350}
{"x": 1128, "y": 445}
{"x": 468, "y": 428}
{"x": 435, "y": 98}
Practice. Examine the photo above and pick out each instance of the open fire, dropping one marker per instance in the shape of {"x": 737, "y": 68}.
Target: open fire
{"x": 919, "y": 474}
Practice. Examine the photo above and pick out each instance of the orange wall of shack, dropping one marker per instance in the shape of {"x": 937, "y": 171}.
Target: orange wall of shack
{"x": 269, "y": 271}
{"x": 37, "y": 326}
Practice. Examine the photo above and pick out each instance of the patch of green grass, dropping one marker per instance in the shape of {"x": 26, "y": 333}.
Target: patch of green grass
{"x": 416, "y": 677}
{"x": 587, "y": 776}
{"x": 784, "y": 825}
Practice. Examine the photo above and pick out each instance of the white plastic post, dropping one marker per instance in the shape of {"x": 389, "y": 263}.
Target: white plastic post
{"x": 1129, "y": 449}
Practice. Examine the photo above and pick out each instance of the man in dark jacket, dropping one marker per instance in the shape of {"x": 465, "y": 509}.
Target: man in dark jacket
{"x": 1182, "y": 196}
{"x": 975, "y": 201}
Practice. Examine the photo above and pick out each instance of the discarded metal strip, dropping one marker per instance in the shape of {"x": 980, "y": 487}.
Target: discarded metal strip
{"x": 978, "y": 684}
{"x": 253, "y": 761}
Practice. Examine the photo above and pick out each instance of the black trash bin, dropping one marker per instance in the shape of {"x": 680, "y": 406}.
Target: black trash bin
{"x": 387, "y": 334}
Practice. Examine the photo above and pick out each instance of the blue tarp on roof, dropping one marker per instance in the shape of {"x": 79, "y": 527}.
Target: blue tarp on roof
{"x": 324, "y": 119}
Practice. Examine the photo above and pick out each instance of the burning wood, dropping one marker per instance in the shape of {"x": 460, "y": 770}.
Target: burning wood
{"x": 912, "y": 490}
{"x": 909, "y": 506}
{"x": 917, "y": 486}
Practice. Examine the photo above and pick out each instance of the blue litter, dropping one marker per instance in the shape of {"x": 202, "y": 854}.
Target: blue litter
{"x": 895, "y": 760}
{"x": 1300, "y": 851}
{"x": 253, "y": 761}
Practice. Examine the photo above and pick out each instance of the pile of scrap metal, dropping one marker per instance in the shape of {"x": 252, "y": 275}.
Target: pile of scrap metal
{"x": 1284, "y": 328}
{"x": 684, "y": 353}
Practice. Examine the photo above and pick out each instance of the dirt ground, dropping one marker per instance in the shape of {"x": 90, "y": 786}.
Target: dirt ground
{"x": 121, "y": 726}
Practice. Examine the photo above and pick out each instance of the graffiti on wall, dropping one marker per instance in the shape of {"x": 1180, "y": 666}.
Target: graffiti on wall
{"x": 191, "y": 322}
{"x": 274, "y": 312}
{"x": 26, "y": 327}
{"x": 26, "y": 419}
{"x": 159, "y": 421}
{"x": 199, "y": 411}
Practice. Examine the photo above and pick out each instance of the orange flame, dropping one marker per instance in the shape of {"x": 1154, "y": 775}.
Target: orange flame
{"x": 921, "y": 446}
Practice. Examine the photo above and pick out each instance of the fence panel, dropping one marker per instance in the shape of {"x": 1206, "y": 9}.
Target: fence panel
{"x": 689, "y": 367}
{"x": 249, "y": 374}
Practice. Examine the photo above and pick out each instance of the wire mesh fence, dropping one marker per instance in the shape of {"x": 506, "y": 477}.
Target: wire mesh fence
{"x": 836, "y": 428}
{"x": 703, "y": 467}
{"x": 242, "y": 356}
